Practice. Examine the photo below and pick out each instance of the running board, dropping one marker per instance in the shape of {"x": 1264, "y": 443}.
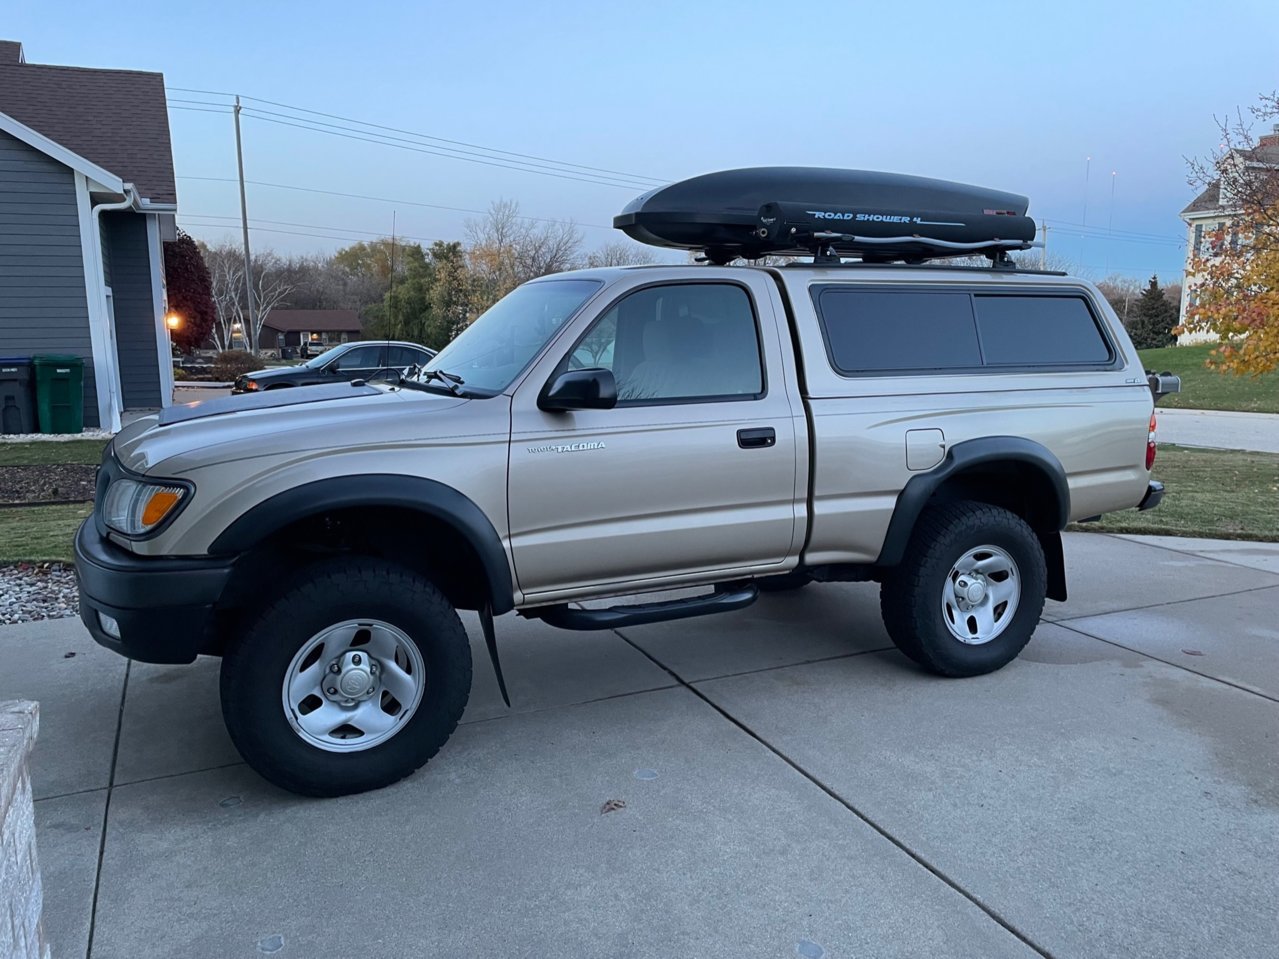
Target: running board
{"x": 723, "y": 600}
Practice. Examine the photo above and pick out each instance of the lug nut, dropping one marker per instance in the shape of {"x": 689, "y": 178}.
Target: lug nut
{"x": 332, "y": 691}
{"x": 370, "y": 692}
{"x": 356, "y": 659}
{"x": 335, "y": 668}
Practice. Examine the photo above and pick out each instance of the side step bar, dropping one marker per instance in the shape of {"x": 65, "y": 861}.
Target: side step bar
{"x": 725, "y": 599}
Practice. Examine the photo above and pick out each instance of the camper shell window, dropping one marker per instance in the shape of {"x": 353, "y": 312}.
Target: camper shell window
{"x": 878, "y": 332}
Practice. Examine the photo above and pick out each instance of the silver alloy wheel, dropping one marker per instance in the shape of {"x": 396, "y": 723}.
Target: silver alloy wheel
{"x": 980, "y": 596}
{"x": 353, "y": 685}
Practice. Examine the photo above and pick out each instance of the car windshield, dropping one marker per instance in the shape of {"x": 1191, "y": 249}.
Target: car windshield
{"x": 322, "y": 358}
{"x": 492, "y": 351}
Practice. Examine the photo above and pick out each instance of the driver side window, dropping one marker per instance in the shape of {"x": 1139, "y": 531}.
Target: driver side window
{"x": 684, "y": 342}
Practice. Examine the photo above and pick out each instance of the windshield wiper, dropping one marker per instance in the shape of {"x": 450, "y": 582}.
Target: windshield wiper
{"x": 452, "y": 382}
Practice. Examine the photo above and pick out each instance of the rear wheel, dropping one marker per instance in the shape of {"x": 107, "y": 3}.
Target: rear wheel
{"x": 351, "y": 681}
{"x": 969, "y": 591}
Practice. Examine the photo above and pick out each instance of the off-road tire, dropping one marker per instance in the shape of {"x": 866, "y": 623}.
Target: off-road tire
{"x": 256, "y": 661}
{"x": 910, "y": 596}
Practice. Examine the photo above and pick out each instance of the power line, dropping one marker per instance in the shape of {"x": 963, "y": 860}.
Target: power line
{"x": 384, "y": 199}
{"x": 321, "y": 126}
{"x": 515, "y": 155}
{"x": 382, "y": 140}
{"x": 438, "y": 152}
{"x": 309, "y": 226}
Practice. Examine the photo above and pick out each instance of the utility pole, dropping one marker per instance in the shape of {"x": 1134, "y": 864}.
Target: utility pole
{"x": 389, "y": 298}
{"x": 250, "y": 334}
{"x": 1043, "y": 250}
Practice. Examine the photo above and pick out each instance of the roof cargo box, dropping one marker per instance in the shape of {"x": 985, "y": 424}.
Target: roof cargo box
{"x": 878, "y": 217}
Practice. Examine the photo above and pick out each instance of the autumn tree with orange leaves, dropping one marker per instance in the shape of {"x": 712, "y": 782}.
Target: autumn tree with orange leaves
{"x": 1235, "y": 292}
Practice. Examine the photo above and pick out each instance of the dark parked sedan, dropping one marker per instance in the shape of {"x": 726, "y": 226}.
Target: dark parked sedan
{"x": 350, "y": 361}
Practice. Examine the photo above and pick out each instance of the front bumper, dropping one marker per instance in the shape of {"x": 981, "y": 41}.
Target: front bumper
{"x": 1154, "y": 495}
{"x": 164, "y": 607}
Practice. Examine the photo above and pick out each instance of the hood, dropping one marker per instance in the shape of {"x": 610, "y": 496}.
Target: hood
{"x": 270, "y": 373}
{"x": 192, "y": 435}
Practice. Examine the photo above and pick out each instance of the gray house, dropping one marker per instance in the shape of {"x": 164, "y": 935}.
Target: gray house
{"x": 87, "y": 197}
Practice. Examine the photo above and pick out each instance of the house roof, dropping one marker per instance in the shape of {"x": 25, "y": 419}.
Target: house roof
{"x": 1265, "y": 153}
{"x": 313, "y": 321}
{"x": 1206, "y": 202}
{"x": 116, "y": 119}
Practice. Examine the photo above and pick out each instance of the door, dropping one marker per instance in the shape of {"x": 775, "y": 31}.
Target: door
{"x": 694, "y": 470}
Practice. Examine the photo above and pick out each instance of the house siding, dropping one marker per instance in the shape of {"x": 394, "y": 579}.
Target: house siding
{"x": 134, "y": 309}
{"x": 43, "y": 306}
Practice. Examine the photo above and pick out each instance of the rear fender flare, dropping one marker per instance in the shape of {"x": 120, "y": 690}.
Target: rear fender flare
{"x": 917, "y": 492}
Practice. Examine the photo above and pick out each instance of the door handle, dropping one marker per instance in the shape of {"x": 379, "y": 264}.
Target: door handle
{"x": 757, "y": 439}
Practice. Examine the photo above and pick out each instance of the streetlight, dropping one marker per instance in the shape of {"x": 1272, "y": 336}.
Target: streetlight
{"x": 172, "y": 321}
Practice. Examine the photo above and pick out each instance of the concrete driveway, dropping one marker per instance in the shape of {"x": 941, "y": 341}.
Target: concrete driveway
{"x": 791, "y": 786}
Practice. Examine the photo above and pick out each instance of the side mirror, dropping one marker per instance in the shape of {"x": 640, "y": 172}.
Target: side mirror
{"x": 580, "y": 390}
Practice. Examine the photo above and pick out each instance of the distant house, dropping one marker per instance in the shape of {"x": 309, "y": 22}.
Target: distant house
{"x": 1210, "y": 213}
{"x": 320, "y": 328}
{"x": 87, "y": 196}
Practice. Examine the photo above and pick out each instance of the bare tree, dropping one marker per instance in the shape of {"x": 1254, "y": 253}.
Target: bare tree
{"x": 620, "y": 253}
{"x": 270, "y": 289}
{"x": 226, "y": 270}
{"x": 507, "y": 249}
{"x": 1122, "y": 293}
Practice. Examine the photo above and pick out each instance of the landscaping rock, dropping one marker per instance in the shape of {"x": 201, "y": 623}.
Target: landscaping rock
{"x": 33, "y": 591}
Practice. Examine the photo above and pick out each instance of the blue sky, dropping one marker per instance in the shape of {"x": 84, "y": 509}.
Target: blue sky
{"x": 1012, "y": 96}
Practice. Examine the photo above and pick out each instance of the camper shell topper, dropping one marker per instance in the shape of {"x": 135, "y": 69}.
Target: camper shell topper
{"x": 875, "y": 217}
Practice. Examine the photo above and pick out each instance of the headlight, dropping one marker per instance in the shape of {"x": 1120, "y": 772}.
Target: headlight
{"x": 133, "y": 508}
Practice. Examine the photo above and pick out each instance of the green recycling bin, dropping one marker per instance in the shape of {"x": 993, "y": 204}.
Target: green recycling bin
{"x": 59, "y": 392}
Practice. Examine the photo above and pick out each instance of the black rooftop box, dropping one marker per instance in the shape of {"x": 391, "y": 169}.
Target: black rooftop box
{"x": 878, "y": 217}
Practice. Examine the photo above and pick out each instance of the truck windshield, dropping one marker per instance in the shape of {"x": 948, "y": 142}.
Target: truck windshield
{"x": 492, "y": 351}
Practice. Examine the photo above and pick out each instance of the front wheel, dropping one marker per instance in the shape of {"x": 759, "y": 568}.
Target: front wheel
{"x": 350, "y": 682}
{"x": 969, "y": 591}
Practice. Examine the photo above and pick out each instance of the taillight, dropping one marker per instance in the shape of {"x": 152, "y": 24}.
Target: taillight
{"x": 1150, "y": 443}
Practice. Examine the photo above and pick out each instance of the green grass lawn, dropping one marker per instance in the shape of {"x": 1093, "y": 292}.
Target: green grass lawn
{"x": 44, "y": 453}
{"x": 1205, "y": 389}
{"x": 37, "y": 533}
{"x": 1219, "y": 494}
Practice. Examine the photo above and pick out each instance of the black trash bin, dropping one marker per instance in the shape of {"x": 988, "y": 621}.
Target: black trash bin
{"x": 17, "y": 395}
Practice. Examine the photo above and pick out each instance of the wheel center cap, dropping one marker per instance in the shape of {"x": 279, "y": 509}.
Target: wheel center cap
{"x": 974, "y": 591}
{"x": 355, "y": 682}
{"x": 352, "y": 677}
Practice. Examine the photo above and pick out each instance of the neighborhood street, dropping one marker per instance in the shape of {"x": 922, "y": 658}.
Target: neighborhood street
{"x": 772, "y": 782}
{"x": 1220, "y": 430}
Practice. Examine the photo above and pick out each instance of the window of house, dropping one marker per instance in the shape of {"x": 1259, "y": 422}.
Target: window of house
{"x": 682, "y": 342}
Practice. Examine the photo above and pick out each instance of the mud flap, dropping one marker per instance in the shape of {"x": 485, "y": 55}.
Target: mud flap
{"x": 490, "y": 640}
{"x": 1050, "y": 540}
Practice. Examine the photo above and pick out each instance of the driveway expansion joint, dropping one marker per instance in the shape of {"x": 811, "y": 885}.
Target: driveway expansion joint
{"x": 1170, "y": 602}
{"x": 1186, "y": 552}
{"x": 1260, "y": 694}
{"x": 999, "y": 920}
{"x": 106, "y": 810}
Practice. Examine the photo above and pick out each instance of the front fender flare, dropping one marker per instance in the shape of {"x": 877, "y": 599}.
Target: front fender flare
{"x": 426, "y": 496}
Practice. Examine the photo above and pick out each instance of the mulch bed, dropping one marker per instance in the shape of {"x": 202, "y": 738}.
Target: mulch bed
{"x": 57, "y": 483}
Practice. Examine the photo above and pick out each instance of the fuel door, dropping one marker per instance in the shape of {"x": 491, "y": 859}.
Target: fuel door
{"x": 924, "y": 449}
